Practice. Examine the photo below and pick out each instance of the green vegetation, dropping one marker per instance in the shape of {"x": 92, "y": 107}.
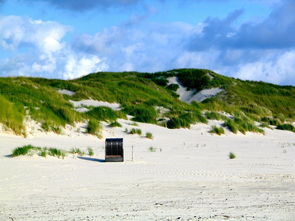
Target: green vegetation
{"x": 185, "y": 120}
{"x": 90, "y": 151}
{"x": 149, "y": 135}
{"x": 94, "y": 127}
{"x": 41, "y": 151}
{"x": 289, "y": 127}
{"x": 242, "y": 124}
{"x": 152, "y": 149}
{"x": 56, "y": 152}
{"x": 231, "y": 156}
{"x": 212, "y": 115}
{"x": 77, "y": 151}
{"x": 25, "y": 150}
{"x": 142, "y": 113}
{"x": 105, "y": 114}
{"x": 139, "y": 95}
{"x": 135, "y": 131}
{"x": 217, "y": 130}
{"x": 115, "y": 124}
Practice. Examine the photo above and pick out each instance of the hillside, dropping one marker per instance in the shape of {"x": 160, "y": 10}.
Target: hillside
{"x": 174, "y": 99}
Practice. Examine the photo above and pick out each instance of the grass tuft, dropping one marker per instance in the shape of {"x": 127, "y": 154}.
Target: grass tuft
{"x": 288, "y": 127}
{"x": 135, "y": 131}
{"x": 217, "y": 130}
{"x": 231, "y": 156}
{"x": 149, "y": 135}
{"x": 115, "y": 124}
{"x": 90, "y": 151}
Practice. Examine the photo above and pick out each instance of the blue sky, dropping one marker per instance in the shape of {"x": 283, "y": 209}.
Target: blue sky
{"x": 247, "y": 39}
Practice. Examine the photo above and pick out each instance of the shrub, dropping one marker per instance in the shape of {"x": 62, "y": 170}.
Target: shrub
{"x": 217, "y": 130}
{"x": 231, "y": 155}
{"x": 149, "y": 135}
{"x": 90, "y": 151}
{"x": 289, "y": 127}
{"x": 115, "y": 124}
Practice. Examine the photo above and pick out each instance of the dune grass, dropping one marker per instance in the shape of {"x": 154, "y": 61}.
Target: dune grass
{"x": 29, "y": 150}
{"x": 94, "y": 127}
{"x": 115, "y": 124}
{"x": 139, "y": 94}
{"x": 149, "y": 135}
{"x": 77, "y": 151}
{"x": 135, "y": 131}
{"x": 231, "y": 156}
{"x": 90, "y": 151}
{"x": 288, "y": 127}
{"x": 217, "y": 130}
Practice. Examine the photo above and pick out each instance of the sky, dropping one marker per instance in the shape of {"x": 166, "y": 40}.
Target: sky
{"x": 66, "y": 39}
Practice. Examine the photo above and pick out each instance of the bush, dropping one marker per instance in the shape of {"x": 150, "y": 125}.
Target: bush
{"x": 231, "y": 155}
{"x": 149, "y": 135}
{"x": 289, "y": 127}
{"x": 217, "y": 130}
{"x": 115, "y": 124}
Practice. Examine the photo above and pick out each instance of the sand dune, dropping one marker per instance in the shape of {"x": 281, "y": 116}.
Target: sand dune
{"x": 188, "y": 177}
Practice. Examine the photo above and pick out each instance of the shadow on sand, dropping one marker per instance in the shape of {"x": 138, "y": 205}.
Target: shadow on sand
{"x": 92, "y": 159}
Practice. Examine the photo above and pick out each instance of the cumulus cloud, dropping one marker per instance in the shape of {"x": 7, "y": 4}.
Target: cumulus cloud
{"x": 37, "y": 49}
{"x": 135, "y": 48}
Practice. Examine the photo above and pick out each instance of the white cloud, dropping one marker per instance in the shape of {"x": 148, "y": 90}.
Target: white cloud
{"x": 278, "y": 69}
{"x": 38, "y": 49}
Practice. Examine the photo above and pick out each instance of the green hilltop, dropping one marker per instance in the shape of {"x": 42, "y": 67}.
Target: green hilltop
{"x": 148, "y": 97}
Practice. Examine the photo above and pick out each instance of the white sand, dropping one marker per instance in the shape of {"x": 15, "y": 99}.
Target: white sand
{"x": 189, "y": 177}
{"x": 66, "y": 92}
{"x": 189, "y": 96}
{"x": 81, "y": 105}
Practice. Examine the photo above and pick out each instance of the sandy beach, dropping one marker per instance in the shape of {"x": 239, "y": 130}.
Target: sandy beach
{"x": 186, "y": 175}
